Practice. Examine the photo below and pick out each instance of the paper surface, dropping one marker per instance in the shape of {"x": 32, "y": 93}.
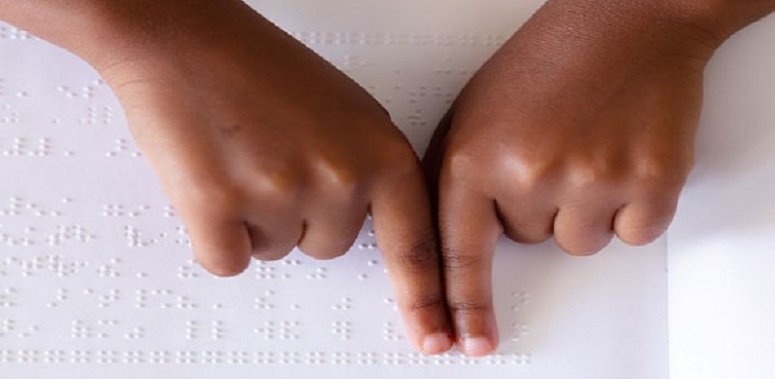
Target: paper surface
{"x": 95, "y": 272}
{"x": 722, "y": 243}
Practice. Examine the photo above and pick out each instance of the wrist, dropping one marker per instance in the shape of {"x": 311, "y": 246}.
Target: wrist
{"x": 672, "y": 31}
{"x": 717, "y": 19}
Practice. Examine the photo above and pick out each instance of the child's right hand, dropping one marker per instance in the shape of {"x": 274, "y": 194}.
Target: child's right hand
{"x": 263, "y": 146}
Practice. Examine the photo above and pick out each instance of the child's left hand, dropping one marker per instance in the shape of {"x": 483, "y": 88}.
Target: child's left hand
{"x": 582, "y": 126}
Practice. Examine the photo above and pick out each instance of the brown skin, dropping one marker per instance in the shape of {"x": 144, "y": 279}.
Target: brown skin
{"x": 259, "y": 143}
{"x": 584, "y": 122}
{"x": 580, "y": 127}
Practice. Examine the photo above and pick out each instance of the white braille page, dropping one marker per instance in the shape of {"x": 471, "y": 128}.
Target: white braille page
{"x": 96, "y": 276}
{"x": 722, "y": 243}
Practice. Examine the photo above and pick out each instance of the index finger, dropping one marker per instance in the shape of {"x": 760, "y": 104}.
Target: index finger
{"x": 469, "y": 231}
{"x": 406, "y": 235}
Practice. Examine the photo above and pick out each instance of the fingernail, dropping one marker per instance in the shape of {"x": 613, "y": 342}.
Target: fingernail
{"x": 476, "y": 347}
{"x": 436, "y": 343}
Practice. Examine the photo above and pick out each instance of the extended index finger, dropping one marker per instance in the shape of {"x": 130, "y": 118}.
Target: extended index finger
{"x": 469, "y": 230}
{"x": 406, "y": 234}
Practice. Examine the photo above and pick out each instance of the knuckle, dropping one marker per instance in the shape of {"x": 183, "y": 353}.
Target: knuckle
{"x": 468, "y": 306}
{"x": 280, "y": 184}
{"x": 420, "y": 255}
{"x": 530, "y": 173}
{"x": 424, "y": 303}
{"x": 454, "y": 259}
{"x": 341, "y": 176}
{"x": 594, "y": 172}
{"x": 659, "y": 174}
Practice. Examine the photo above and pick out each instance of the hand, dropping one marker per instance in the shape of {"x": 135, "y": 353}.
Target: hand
{"x": 581, "y": 127}
{"x": 262, "y": 146}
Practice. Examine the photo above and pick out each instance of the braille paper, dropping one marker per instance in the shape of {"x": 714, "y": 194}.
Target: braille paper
{"x": 96, "y": 275}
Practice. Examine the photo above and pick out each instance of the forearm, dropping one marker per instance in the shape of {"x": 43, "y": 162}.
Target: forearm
{"x": 104, "y": 32}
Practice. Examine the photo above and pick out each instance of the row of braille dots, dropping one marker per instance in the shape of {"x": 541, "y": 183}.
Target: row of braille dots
{"x": 135, "y": 237}
{"x": 9, "y": 240}
{"x": 264, "y": 302}
{"x": 367, "y": 242}
{"x": 420, "y": 95}
{"x": 109, "y": 270}
{"x": 8, "y": 32}
{"x": 8, "y": 115}
{"x": 266, "y": 271}
{"x": 193, "y": 327}
{"x": 190, "y": 270}
{"x": 143, "y": 296}
{"x": 519, "y": 299}
{"x": 80, "y": 330}
{"x": 342, "y": 329}
{"x": 260, "y": 358}
{"x": 390, "y": 332}
{"x": 7, "y": 297}
{"x": 17, "y": 206}
{"x": 21, "y": 147}
{"x": 85, "y": 92}
{"x": 400, "y": 39}
{"x": 70, "y": 233}
{"x": 119, "y": 210}
{"x": 423, "y": 92}
{"x": 279, "y": 330}
{"x": 9, "y": 326}
{"x": 105, "y": 299}
{"x": 50, "y": 262}
{"x": 63, "y": 233}
{"x": 62, "y": 295}
{"x": 98, "y": 115}
{"x": 121, "y": 147}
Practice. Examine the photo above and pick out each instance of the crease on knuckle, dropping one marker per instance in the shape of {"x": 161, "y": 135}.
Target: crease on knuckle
{"x": 428, "y": 302}
{"x": 454, "y": 259}
{"x": 420, "y": 255}
{"x": 468, "y": 306}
